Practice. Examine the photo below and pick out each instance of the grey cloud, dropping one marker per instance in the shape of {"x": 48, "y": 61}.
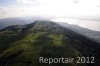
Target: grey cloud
{"x": 76, "y": 1}
{"x": 98, "y": 6}
{"x": 93, "y": 18}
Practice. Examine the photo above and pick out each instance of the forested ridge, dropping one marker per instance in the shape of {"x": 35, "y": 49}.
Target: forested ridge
{"x": 22, "y": 45}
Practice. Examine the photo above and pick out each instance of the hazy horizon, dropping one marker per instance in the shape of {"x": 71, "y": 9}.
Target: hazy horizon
{"x": 85, "y": 13}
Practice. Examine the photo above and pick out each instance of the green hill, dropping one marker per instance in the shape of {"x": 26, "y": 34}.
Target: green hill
{"x": 22, "y": 45}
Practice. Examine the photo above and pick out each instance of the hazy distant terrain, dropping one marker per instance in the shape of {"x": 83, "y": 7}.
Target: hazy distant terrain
{"x": 22, "y": 45}
{"x": 18, "y": 21}
{"x": 11, "y": 21}
{"x": 84, "y": 31}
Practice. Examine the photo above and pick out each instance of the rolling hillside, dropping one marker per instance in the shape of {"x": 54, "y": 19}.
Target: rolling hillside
{"x": 22, "y": 45}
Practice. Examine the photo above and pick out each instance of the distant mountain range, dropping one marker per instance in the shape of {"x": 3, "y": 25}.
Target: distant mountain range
{"x": 18, "y": 21}
{"x": 22, "y": 45}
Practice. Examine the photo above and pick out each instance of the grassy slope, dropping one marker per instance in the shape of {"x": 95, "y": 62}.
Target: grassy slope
{"x": 24, "y": 46}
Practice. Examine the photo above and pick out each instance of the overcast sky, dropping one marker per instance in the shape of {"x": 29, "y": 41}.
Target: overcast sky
{"x": 85, "y": 13}
{"x": 83, "y": 9}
